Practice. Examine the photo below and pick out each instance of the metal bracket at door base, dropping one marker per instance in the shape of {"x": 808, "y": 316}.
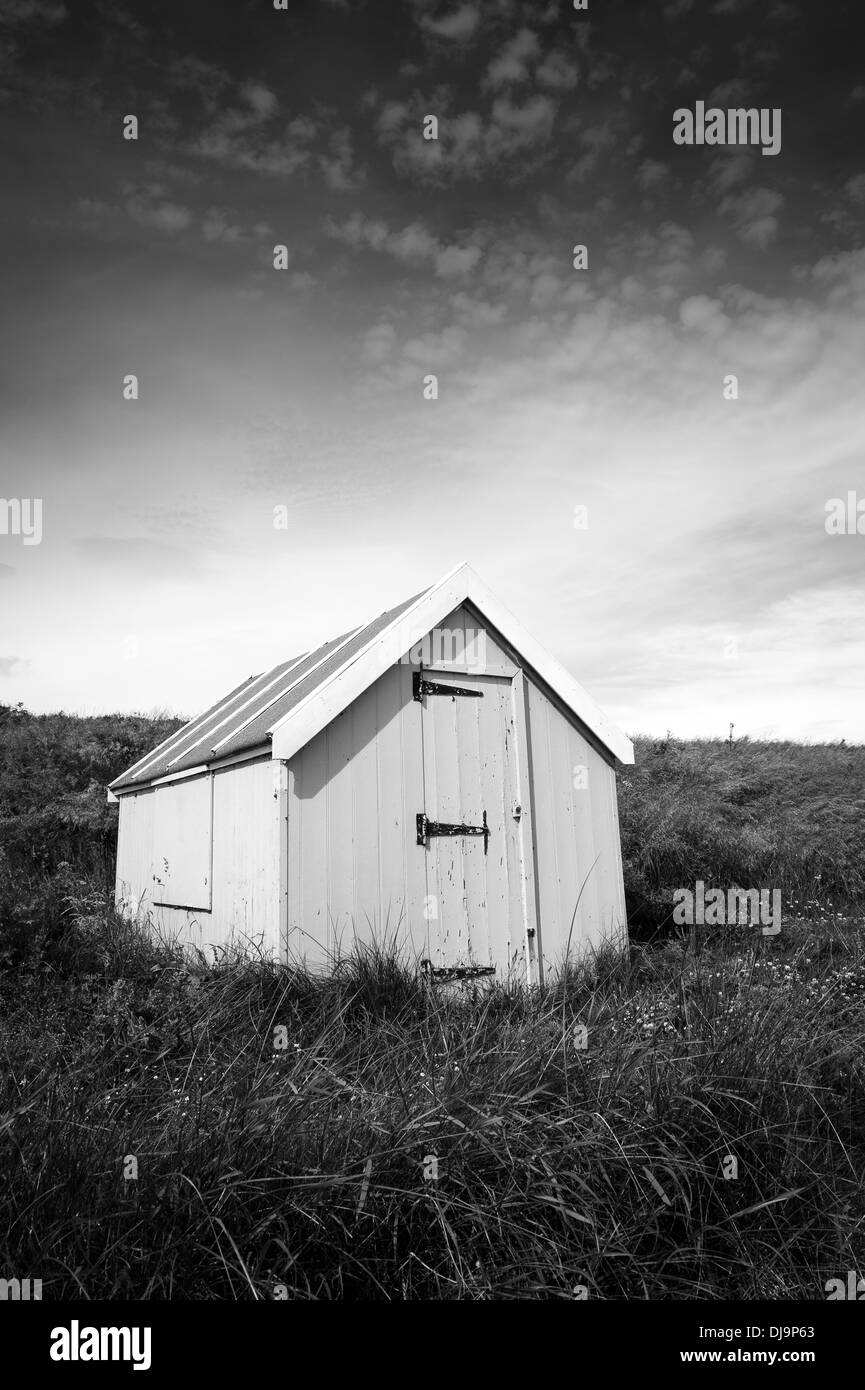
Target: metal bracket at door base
{"x": 426, "y": 828}
{"x": 455, "y": 972}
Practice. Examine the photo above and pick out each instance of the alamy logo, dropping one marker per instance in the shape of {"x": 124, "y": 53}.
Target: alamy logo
{"x": 20, "y": 1290}
{"x": 21, "y": 516}
{"x": 854, "y": 1289}
{"x": 444, "y": 647}
{"x": 845, "y": 518}
{"x": 739, "y": 126}
{"x": 736, "y": 907}
{"x": 76, "y": 1343}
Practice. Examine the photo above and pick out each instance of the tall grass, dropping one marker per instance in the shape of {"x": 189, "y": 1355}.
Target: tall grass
{"x": 305, "y": 1171}
{"x": 779, "y": 814}
{"x": 309, "y": 1170}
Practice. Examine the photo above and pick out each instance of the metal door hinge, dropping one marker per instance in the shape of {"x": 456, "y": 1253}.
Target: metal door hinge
{"x": 455, "y": 972}
{"x": 421, "y": 687}
{"x": 427, "y": 828}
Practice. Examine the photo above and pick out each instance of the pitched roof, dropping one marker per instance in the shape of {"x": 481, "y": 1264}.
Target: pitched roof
{"x": 289, "y": 704}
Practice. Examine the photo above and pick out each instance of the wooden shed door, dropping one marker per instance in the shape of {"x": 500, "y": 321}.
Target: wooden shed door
{"x": 475, "y": 891}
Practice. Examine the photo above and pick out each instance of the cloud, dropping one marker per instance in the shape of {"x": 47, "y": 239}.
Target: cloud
{"x": 456, "y": 260}
{"x": 338, "y": 167}
{"x": 8, "y": 664}
{"x": 713, "y": 259}
{"x": 238, "y": 152}
{"x": 458, "y": 25}
{"x": 215, "y": 227}
{"x": 730, "y": 6}
{"x": 753, "y": 214}
{"x": 236, "y": 139}
{"x": 436, "y": 349}
{"x": 557, "y": 73}
{"x": 855, "y": 188}
{"x": 378, "y": 343}
{"x": 33, "y": 12}
{"x": 703, "y": 315}
{"x": 161, "y": 169}
{"x": 395, "y": 365}
{"x": 645, "y": 391}
{"x": 547, "y": 289}
{"x": 147, "y": 207}
{"x": 144, "y": 205}
{"x": 413, "y": 245}
{"x": 113, "y": 13}
{"x": 515, "y": 127}
{"x": 161, "y": 216}
{"x": 843, "y": 277}
{"x": 302, "y": 128}
{"x": 595, "y": 140}
{"x": 734, "y": 92}
{"x": 193, "y": 75}
{"x": 509, "y": 140}
{"x": 511, "y": 64}
{"x": 728, "y": 169}
{"x": 262, "y": 100}
{"x": 651, "y": 174}
{"x": 478, "y": 313}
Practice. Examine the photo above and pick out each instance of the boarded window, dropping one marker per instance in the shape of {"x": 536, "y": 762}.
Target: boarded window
{"x": 183, "y": 844}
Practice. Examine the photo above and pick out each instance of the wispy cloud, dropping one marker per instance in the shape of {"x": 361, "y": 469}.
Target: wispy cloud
{"x": 753, "y": 214}
{"x": 411, "y": 245}
{"x": 456, "y": 25}
{"x": 24, "y": 12}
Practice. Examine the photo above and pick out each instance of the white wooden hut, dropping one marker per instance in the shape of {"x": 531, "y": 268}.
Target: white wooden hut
{"x": 434, "y": 778}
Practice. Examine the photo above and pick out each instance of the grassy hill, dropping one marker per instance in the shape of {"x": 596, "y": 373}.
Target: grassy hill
{"x": 789, "y": 815}
{"x": 237, "y": 1130}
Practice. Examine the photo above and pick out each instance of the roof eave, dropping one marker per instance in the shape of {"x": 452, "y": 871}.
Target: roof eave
{"x": 300, "y": 724}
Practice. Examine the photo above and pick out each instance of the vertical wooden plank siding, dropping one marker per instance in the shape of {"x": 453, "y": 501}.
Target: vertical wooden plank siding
{"x": 415, "y": 929}
{"x": 450, "y": 862}
{"x": 245, "y": 838}
{"x": 573, "y": 835}
{"x": 355, "y": 870}
{"x": 341, "y": 849}
{"x": 308, "y": 938}
{"x": 135, "y": 853}
{"x": 387, "y": 754}
{"x": 246, "y": 851}
{"x": 526, "y": 836}
{"x": 281, "y": 784}
{"x": 365, "y": 716}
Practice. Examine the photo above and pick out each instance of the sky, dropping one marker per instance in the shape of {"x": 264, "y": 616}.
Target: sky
{"x": 288, "y": 469}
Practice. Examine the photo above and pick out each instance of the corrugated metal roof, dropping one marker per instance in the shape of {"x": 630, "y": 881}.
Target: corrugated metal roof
{"x": 240, "y": 721}
{"x": 164, "y": 751}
